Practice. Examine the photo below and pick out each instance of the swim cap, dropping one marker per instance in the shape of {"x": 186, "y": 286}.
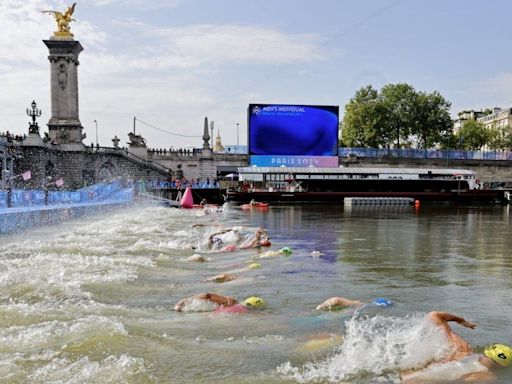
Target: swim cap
{"x": 286, "y": 251}
{"x": 254, "y": 302}
{"x": 382, "y": 302}
{"x": 255, "y": 265}
{"x": 266, "y": 243}
{"x": 499, "y": 353}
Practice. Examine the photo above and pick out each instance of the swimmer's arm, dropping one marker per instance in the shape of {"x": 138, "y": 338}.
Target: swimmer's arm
{"x": 225, "y": 301}
{"x": 444, "y": 317}
{"x": 479, "y": 377}
{"x": 334, "y": 302}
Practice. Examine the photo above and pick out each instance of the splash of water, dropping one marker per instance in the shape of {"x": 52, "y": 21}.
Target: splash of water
{"x": 375, "y": 347}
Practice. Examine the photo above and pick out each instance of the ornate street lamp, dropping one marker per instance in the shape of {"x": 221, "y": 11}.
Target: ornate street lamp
{"x": 33, "y": 113}
{"x": 96, "y": 122}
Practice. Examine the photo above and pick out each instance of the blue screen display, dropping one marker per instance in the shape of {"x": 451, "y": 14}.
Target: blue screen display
{"x": 299, "y": 130}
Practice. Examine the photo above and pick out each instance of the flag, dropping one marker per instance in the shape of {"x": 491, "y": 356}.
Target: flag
{"x": 26, "y": 175}
{"x": 59, "y": 182}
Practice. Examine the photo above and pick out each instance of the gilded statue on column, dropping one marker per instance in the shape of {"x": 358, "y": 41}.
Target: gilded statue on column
{"x": 63, "y": 21}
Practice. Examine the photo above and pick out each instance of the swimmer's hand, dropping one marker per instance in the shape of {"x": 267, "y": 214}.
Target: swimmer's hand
{"x": 467, "y": 324}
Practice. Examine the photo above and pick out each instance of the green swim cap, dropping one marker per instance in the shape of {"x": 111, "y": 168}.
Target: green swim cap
{"x": 255, "y": 265}
{"x": 254, "y": 302}
{"x": 499, "y": 353}
{"x": 286, "y": 251}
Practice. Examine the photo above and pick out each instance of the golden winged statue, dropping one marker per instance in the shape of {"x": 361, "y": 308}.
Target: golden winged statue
{"x": 63, "y": 20}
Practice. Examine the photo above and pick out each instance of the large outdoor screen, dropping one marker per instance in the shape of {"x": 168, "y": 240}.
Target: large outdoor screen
{"x": 293, "y": 130}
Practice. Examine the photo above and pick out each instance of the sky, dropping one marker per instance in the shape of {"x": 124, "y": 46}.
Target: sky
{"x": 171, "y": 63}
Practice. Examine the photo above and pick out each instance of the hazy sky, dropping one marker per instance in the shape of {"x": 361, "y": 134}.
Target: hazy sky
{"x": 170, "y": 63}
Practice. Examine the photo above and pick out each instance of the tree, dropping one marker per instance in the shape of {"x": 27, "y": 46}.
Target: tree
{"x": 360, "y": 123}
{"x": 473, "y": 135}
{"x": 500, "y": 138}
{"x": 396, "y": 116}
{"x": 432, "y": 119}
{"x": 398, "y": 101}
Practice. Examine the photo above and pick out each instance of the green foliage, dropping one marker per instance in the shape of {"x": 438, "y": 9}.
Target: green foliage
{"x": 500, "y": 138}
{"x": 433, "y": 122}
{"x": 472, "y": 136}
{"x": 360, "y": 124}
{"x": 396, "y": 116}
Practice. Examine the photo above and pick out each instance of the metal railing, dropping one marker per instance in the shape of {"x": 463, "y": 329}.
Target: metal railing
{"x": 408, "y": 153}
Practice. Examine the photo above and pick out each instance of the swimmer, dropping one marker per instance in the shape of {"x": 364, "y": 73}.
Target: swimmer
{"x": 337, "y": 303}
{"x": 187, "y": 304}
{"x": 462, "y": 363}
{"x": 222, "y": 278}
{"x": 206, "y": 225}
{"x": 215, "y": 240}
{"x": 319, "y": 342}
{"x": 283, "y": 251}
{"x": 198, "y": 258}
{"x": 260, "y": 239}
{"x": 245, "y": 306}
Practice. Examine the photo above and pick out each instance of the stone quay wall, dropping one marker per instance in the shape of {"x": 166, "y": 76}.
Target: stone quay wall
{"x": 81, "y": 167}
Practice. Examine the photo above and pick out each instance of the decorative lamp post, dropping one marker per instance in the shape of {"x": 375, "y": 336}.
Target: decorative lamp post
{"x": 237, "y": 136}
{"x": 96, "y": 122}
{"x": 211, "y": 129}
{"x": 33, "y": 113}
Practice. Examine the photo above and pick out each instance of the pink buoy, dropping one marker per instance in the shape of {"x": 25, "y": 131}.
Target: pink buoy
{"x": 187, "y": 201}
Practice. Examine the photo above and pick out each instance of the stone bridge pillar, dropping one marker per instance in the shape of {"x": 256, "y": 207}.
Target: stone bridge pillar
{"x": 64, "y": 125}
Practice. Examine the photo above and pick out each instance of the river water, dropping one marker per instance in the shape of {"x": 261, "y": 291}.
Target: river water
{"x": 91, "y": 300}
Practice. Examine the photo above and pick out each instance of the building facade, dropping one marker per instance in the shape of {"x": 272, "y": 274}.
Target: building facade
{"x": 499, "y": 118}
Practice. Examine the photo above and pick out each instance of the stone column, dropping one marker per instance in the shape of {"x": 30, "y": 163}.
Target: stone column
{"x": 64, "y": 125}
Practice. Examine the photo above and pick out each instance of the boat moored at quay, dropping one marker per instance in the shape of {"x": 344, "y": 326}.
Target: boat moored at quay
{"x": 311, "y": 184}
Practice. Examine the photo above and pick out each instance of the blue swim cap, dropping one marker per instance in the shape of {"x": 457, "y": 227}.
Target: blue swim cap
{"x": 382, "y": 302}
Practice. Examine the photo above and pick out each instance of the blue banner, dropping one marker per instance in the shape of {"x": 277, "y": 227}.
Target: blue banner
{"x": 294, "y": 161}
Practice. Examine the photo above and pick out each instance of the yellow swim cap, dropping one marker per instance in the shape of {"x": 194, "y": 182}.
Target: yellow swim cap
{"x": 255, "y": 265}
{"x": 254, "y": 302}
{"x": 500, "y": 353}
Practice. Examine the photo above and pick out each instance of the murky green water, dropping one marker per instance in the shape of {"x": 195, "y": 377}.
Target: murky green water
{"x": 91, "y": 301}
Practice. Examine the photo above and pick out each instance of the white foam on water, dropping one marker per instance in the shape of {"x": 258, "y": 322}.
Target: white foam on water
{"x": 56, "y": 334}
{"x": 267, "y": 339}
{"x": 53, "y": 276}
{"x": 198, "y": 305}
{"x": 112, "y": 369}
{"x": 375, "y": 348}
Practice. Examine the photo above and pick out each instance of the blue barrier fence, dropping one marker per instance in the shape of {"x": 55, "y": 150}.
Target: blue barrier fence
{"x": 182, "y": 184}
{"x": 3, "y": 199}
{"x": 411, "y": 153}
{"x": 34, "y": 197}
{"x": 408, "y": 153}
